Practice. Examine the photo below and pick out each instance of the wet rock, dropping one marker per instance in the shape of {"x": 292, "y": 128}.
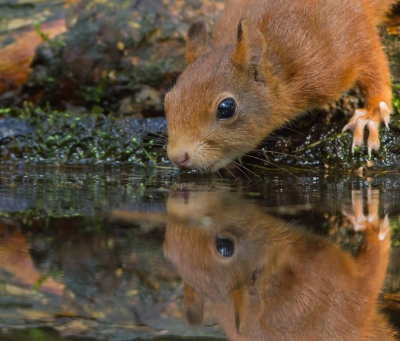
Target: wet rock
{"x": 19, "y": 37}
{"x": 86, "y": 139}
{"x": 127, "y": 107}
{"x": 149, "y": 98}
{"x": 13, "y": 128}
{"x": 114, "y": 50}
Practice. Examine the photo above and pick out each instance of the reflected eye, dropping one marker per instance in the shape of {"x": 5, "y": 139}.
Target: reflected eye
{"x": 225, "y": 246}
{"x": 226, "y": 109}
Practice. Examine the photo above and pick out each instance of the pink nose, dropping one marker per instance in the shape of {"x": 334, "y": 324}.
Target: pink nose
{"x": 181, "y": 160}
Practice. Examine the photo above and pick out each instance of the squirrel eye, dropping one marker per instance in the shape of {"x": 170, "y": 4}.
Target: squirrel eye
{"x": 226, "y": 109}
{"x": 225, "y": 246}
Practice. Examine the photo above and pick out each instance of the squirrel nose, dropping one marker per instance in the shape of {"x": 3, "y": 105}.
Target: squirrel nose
{"x": 181, "y": 160}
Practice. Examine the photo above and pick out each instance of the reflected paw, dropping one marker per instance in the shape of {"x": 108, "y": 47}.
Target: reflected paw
{"x": 372, "y": 120}
{"x": 370, "y": 222}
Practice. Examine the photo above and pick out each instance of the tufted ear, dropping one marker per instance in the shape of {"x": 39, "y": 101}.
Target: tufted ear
{"x": 250, "y": 50}
{"x": 196, "y": 43}
{"x": 193, "y": 305}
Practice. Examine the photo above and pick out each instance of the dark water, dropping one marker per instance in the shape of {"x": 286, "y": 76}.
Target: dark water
{"x": 105, "y": 254}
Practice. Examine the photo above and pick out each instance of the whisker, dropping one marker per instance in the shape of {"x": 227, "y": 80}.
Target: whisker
{"x": 236, "y": 164}
{"x": 274, "y": 164}
{"x": 156, "y": 134}
{"x": 270, "y": 151}
{"x": 274, "y": 135}
{"x": 212, "y": 132}
{"x": 157, "y": 149}
{"x": 230, "y": 173}
{"x": 154, "y": 144}
{"x": 294, "y": 130}
{"x": 239, "y": 166}
{"x": 198, "y": 134}
{"x": 209, "y": 150}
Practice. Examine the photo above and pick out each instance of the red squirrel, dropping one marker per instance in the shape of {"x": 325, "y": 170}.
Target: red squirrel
{"x": 269, "y": 61}
{"x": 265, "y": 279}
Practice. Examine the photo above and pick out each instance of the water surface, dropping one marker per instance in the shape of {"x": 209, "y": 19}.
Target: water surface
{"x": 95, "y": 252}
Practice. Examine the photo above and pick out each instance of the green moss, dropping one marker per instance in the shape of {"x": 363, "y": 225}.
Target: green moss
{"x": 62, "y": 137}
{"x": 395, "y": 226}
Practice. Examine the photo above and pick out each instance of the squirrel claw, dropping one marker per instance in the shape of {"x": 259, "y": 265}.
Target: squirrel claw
{"x": 385, "y": 113}
{"x": 373, "y": 139}
{"x": 371, "y": 222}
{"x": 372, "y": 119}
{"x": 353, "y": 121}
{"x": 384, "y": 228}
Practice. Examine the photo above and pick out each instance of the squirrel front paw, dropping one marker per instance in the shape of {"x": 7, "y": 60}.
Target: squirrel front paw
{"x": 371, "y": 118}
{"x": 372, "y": 222}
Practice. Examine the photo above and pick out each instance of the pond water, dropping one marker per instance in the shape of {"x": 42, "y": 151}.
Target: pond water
{"x": 113, "y": 253}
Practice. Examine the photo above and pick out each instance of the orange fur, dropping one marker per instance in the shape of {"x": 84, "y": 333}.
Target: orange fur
{"x": 280, "y": 283}
{"x": 276, "y": 59}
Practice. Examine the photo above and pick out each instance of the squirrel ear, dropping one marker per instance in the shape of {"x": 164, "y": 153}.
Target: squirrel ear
{"x": 193, "y": 305}
{"x": 196, "y": 43}
{"x": 250, "y": 50}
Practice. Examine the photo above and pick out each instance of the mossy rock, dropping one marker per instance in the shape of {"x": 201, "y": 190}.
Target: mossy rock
{"x": 47, "y": 136}
{"x": 118, "y": 55}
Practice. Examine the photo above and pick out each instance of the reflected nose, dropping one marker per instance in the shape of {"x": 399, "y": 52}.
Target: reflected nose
{"x": 181, "y": 159}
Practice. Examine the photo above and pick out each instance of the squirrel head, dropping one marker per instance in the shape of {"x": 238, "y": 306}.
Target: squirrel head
{"x": 221, "y": 255}
{"x": 221, "y": 105}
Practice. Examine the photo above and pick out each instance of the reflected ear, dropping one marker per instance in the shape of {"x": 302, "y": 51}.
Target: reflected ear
{"x": 196, "y": 43}
{"x": 250, "y": 50}
{"x": 193, "y": 305}
{"x": 248, "y": 304}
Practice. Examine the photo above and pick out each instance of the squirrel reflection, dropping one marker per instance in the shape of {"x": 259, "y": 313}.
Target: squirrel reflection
{"x": 266, "y": 280}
